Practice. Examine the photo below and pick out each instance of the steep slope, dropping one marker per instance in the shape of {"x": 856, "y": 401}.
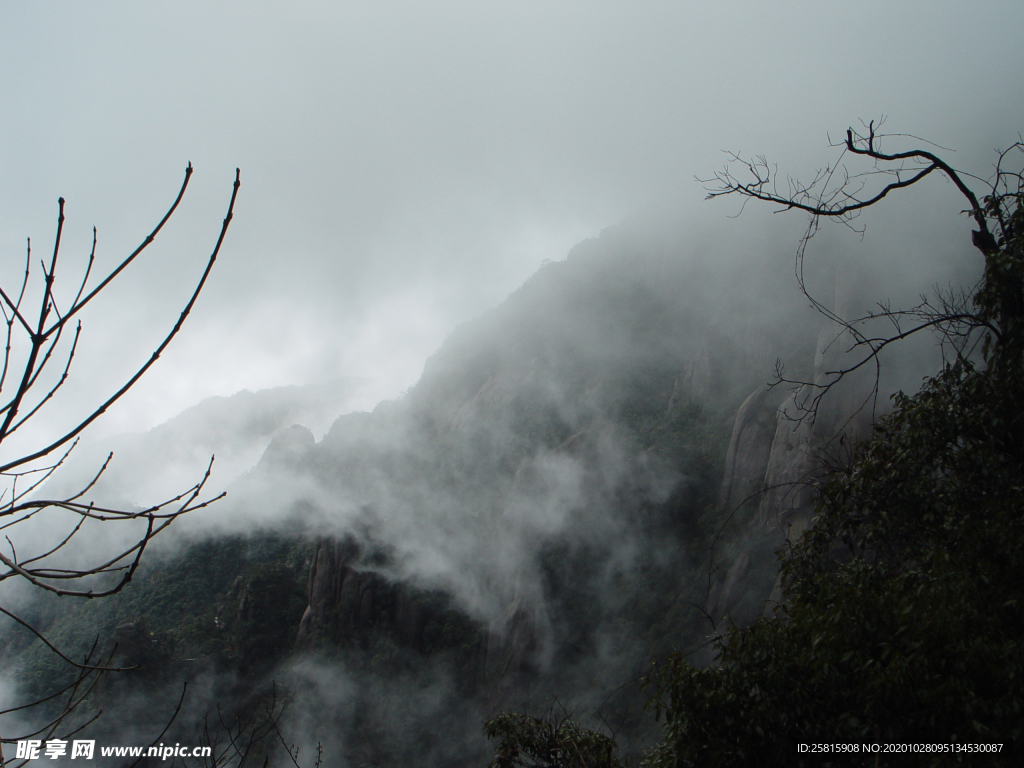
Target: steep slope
{"x": 560, "y": 498}
{"x": 557, "y": 473}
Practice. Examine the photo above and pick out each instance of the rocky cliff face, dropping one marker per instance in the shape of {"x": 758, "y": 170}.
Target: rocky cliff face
{"x": 775, "y": 463}
{"x": 541, "y": 507}
{"x": 349, "y": 604}
{"x": 554, "y": 476}
{"x": 357, "y": 609}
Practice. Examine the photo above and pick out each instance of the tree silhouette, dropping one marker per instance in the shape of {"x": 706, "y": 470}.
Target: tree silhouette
{"x": 901, "y": 622}
{"x": 839, "y": 193}
{"x": 39, "y": 333}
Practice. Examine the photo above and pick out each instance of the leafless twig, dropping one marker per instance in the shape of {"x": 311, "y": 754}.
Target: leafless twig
{"x": 34, "y": 340}
{"x": 838, "y": 193}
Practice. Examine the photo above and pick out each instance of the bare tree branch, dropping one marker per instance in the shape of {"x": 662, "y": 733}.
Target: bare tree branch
{"x": 72, "y": 433}
{"x": 27, "y": 353}
{"x": 836, "y": 193}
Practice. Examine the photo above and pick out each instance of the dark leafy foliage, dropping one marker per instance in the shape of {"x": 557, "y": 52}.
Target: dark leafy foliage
{"x": 904, "y": 622}
{"x": 229, "y": 603}
{"x": 548, "y": 742}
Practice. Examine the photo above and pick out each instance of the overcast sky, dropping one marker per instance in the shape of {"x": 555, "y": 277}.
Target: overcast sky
{"x": 406, "y": 165}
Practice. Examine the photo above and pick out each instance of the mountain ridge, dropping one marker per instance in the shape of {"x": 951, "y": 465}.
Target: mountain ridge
{"x": 543, "y": 513}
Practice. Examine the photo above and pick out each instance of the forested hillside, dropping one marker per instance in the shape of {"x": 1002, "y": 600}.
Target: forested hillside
{"x": 572, "y": 490}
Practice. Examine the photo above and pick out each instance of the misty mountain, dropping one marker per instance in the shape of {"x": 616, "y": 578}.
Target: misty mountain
{"x": 165, "y": 460}
{"x": 572, "y": 489}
